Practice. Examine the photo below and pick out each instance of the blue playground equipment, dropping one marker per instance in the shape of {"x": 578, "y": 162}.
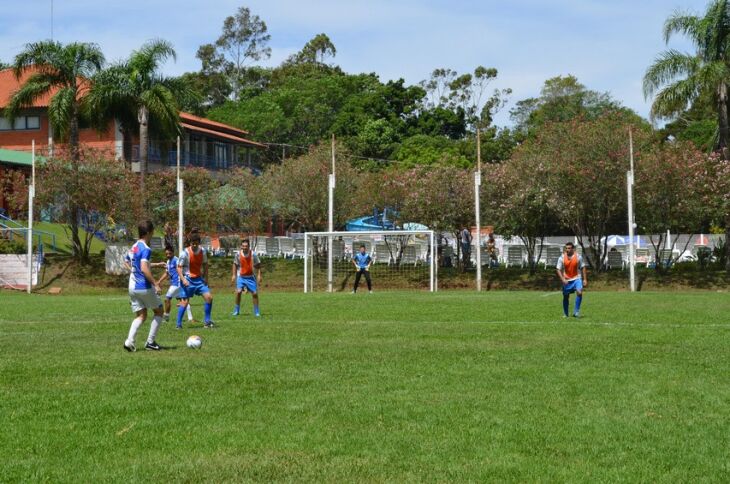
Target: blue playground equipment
{"x": 384, "y": 220}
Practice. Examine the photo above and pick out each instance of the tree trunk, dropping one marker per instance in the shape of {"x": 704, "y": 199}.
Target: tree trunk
{"x": 73, "y": 221}
{"x": 724, "y": 127}
{"x": 143, "y": 118}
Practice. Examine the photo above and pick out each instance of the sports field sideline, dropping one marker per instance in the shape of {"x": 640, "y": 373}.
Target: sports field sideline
{"x": 406, "y": 386}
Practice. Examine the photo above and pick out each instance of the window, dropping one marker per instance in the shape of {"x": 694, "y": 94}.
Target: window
{"x": 20, "y": 123}
{"x": 33, "y": 122}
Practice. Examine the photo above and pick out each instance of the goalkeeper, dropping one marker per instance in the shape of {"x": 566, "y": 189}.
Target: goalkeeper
{"x": 362, "y": 262}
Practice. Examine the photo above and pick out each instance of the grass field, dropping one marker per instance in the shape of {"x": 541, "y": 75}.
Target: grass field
{"x": 395, "y": 386}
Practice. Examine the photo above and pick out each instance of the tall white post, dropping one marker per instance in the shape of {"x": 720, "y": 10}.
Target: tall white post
{"x": 306, "y": 262}
{"x": 180, "y": 203}
{"x": 434, "y": 258}
{"x": 477, "y": 185}
{"x": 31, "y": 196}
{"x": 330, "y": 217}
{"x": 632, "y": 225}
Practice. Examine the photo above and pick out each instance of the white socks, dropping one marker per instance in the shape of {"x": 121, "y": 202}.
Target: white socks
{"x": 136, "y": 323}
{"x": 190, "y": 313}
{"x": 154, "y": 326}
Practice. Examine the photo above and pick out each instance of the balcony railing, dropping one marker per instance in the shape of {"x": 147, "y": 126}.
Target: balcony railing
{"x": 189, "y": 158}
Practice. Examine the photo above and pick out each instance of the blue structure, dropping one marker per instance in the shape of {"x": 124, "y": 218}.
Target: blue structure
{"x": 384, "y": 220}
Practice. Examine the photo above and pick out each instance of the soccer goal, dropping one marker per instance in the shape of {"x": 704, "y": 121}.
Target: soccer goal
{"x": 401, "y": 259}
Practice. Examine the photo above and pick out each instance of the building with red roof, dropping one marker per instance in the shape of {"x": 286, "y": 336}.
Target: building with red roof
{"x": 205, "y": 143}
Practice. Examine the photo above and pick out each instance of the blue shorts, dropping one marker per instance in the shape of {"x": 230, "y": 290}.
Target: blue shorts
{"x": 247, "y": 282}
{"x": 573, "y": 286}
{"x": 196, "y": 286}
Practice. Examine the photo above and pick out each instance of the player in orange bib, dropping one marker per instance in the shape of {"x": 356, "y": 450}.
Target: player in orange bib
{"x": 245, "y": 262}
{"x": 192, "y": 268}
{"x": 570, "y": 267}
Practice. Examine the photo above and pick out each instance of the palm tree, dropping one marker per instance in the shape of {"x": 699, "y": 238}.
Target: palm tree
{"x": 681, "y": 78}
{"x": 63, "y": 70}
{"x": 135, "y": 93}
{"x": 678, "y": 78}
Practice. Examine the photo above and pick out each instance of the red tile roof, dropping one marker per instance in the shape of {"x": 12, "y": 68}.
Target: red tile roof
{"x": 219, "y": 134}
{"x": 193, "y": 119}
{"x": 9, "y": 84}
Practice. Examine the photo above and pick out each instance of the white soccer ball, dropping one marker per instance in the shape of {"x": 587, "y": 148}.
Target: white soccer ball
{"x": 195, "y": 342}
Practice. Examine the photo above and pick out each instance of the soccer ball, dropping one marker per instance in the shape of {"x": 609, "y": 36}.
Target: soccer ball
{"x": 195, "y": 342}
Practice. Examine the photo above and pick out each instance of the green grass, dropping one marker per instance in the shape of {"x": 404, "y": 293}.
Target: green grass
{"x": 62, "y": 238}
{"x": 385, "y": 387}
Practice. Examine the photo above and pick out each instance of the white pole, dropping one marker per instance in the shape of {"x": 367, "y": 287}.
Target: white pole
{"x": 306, "y": 264}
{"x": 630, "y": 195}
{"x": 477, "y": 185}
{"x": 668, "y": 244}
{"x": 180, "y": 203}
{"x": 434, "y": 255}
{"x": 31, "y": 195}
{"x": 331, "y": 218}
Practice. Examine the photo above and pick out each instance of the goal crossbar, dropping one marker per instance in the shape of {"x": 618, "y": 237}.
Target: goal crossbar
{"x": 354, "y": 235}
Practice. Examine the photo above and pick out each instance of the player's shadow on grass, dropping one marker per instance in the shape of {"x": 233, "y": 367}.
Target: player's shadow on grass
{"x": 346, "y": 281}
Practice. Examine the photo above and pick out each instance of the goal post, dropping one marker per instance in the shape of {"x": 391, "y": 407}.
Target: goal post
{"x": 401, "y": 259}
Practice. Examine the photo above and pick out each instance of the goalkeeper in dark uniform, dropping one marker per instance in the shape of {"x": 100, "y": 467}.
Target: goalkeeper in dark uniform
{"x": 362, "y": 262}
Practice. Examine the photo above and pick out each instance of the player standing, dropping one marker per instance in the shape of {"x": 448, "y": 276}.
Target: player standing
{"x": 362, "y": 262}
{"x": 244, "y": 264}
{"x": 143, "y": 290}
{"x": 192, "y": 268}
{"x": 174, "y": 290}
{"x": 569, "y": 268}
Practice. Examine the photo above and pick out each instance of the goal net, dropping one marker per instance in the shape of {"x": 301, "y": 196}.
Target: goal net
{"x": 401, "y": 259}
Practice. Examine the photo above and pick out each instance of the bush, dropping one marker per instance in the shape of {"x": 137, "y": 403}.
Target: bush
{"x": 12, "y": 247}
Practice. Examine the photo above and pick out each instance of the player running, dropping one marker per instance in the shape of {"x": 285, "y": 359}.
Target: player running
{"x": 192, "y": 269}
{"x": 174, "y": 290}
{"x": 244, "y": 264}
{"x": 569, "y": 268}
{"x": 143, "y": 290}
{"x": 362, "y": 262}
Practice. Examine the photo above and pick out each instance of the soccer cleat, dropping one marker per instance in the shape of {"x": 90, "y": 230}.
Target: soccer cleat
{"x": 257, "y": 314}
{"x": 352, "y": 292}
{"x": 178, "y": 327}
{"x": 166, "y": 318}
{"x": 209, "y": 325}
{"x": 152, "y": 346}
{"x": 235, "y": 313}
{"x": 576, "y": 315}
{"x": 370, "y": 292}
{"x": 131, "y": 348}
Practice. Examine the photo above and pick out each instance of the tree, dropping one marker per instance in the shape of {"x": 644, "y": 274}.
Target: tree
{"x": 299, "y": 187}
{"x": 673, "y": 193}
{"x": 64, "y": 71}
{"x": 676, "y": 79}
{"x": 202, "y": 202}
{"x": 465, "y": 93}
{"x": 517, "y": 207}
{"x": 586, "y": 163}
{"x": 315, "y": 51}
{"x": 99, "y": 189}
{"x": 135, "y": 89}
{"x": 440, "y": 197}
{"x": 562, "y": 98}
{"x": 244, "y": 39}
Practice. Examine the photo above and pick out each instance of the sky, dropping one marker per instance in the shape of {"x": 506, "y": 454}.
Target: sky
{"x": 606, "y": 44}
